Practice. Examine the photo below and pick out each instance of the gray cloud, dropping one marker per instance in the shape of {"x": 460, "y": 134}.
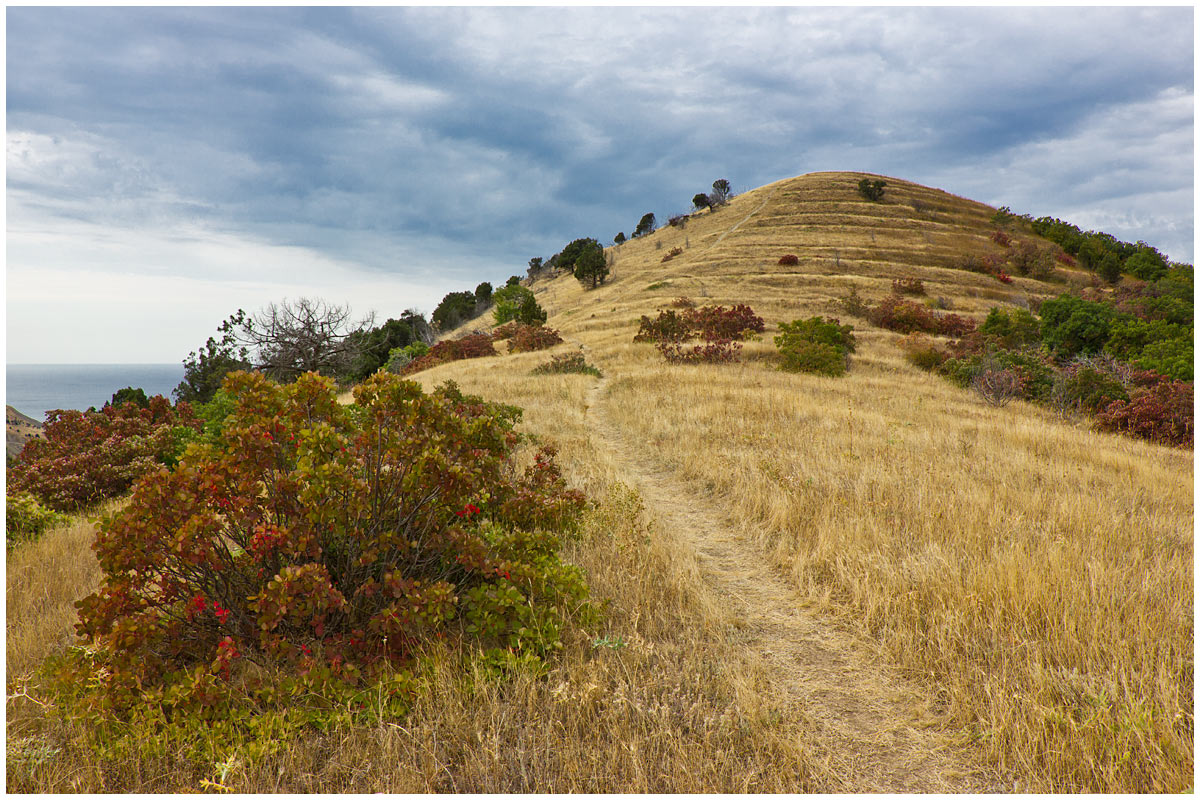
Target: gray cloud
{"x": 443, "y": 146}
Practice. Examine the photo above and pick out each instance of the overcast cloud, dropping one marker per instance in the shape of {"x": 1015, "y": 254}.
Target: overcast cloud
{"x": 168, "y": 166}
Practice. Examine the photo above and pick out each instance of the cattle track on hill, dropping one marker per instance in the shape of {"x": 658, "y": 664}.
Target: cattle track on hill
{"x": 881, "y": 734}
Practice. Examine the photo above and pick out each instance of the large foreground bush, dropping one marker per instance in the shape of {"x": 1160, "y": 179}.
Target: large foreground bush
{"x": 308, "y": 553}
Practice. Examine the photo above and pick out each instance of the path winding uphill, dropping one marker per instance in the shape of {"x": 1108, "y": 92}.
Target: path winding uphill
{"x": 880, "y": 734}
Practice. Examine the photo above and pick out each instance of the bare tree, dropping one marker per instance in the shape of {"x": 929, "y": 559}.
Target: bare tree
{"x": 290, "y": 338}
{"x": 721, "y": 192}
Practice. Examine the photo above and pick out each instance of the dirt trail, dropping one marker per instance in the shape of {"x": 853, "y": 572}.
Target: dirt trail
{"x": 880, "y": 734}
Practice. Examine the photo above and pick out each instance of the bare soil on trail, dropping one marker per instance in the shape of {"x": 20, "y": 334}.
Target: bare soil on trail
{"x": 881, "y": 733}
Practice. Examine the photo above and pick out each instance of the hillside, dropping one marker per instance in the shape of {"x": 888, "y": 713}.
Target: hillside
{"x": 869, "y": 583}
{"x": 1029, "y": 578}
{"x": 19, "y": 430}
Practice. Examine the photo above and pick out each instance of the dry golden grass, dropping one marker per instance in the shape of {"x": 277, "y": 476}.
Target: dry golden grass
{"x": 1023, "y": 584}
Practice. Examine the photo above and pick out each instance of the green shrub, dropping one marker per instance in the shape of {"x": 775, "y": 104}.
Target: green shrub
{"x": 1128, "y": 337}
{"x": 517, "y": 303}
{"x": 1090, "y": 390}
{"x": 295, "y": 569}
{"x": 1171, "y": 357}
{"x": 567, "y": 363}
{"x": 1011, "y": 328}
{"x": 817, "y": 345}
{"x": 25, "y": 519}
{"x": 1071, "y": 325}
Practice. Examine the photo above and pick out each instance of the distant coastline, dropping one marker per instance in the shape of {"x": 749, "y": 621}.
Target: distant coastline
{"x": 34, "y": 389}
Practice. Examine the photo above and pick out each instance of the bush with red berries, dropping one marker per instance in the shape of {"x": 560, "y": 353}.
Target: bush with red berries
{"x": 302, "y": 561}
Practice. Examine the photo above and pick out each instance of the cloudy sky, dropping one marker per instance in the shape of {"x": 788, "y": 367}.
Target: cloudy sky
{"x": 166, "y": 167}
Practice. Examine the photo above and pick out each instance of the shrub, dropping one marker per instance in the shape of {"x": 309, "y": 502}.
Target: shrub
{"x": 854, "y": 305}
{"x": 788, "y": 260}
{"x": 822, "y": 346}
{"x": 515, "y": 302}
{"x": 1071, "y": 325}
{"x": 528, "y": 338}
{"x": 1064, "y": 259}
{"x": 922, "y": 353}
{"x": 996, "y": 385}
{"x": 718, "y": 351}
{"x": 567, "y": 363}
{"x": 1129, "y": 337}
{"x": 1001, "y": 238}
{"x": 400, "y": 357}
{"x": 88, "y": 456}
{"x": 475, "y": 345}
{"x": 25, "y": 519}
{"x": 298, "y": 564}
{"x": 1171, "y": 357}
{"x": 683, "y": 302}
{"x": 717, "y": 322}
{"x": 674, "y": 252}
{"x": 1027, "y": 259}
{"x": 668, "y": 326}
{"x": 902, "y": 316}
{"x": 954, "y": 325}
{"x": 700, "y": 201}
{"x": 1011, "y": 328}
{"x": 1162, "y": 414}
{"x": 1004, "y": 277}
{"x": 871, "y": 190}
{"x": 1089, "y": 389}
{"x": 505, "y": 331}
{"x": 678, "y": 221}
{"x": 914, "y": 286}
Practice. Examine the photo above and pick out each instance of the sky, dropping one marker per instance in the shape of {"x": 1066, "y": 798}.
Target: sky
{"x": 168, "y": 166}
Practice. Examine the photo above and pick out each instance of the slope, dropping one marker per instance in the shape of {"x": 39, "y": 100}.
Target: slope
{"x": 1045, "y": 636}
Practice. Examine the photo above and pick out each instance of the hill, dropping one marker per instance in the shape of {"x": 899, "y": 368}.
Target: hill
{"x": 19, "y": 430}
{"x": 876, "y": 582}
{"x": 1029, "y": 577}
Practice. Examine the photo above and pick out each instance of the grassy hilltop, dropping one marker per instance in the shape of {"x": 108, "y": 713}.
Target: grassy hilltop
{"x": 875, "y": 582}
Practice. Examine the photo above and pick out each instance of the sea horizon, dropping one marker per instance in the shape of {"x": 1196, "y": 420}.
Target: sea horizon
{"x": 35, "y": 388}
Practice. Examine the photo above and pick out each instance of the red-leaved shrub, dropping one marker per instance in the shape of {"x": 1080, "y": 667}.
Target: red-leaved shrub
{"x": 717, "y": 322}
{"x": 476, "y": 345}
{"x": 303, "y": 557}
{"x": 788, "y": 260}
{"x": 1001, "y": 238}
{"x": 88, "y": 456}
{"x": 528, "y": 338}
{"x": 719, "y": 351}
{"x": 1162, "y": 413}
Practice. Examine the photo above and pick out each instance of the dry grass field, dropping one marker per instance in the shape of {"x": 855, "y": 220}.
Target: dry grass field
{"x": 867, "y": 583}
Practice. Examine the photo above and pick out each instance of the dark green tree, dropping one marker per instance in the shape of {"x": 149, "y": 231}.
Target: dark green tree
{"x": 513, "y": 280}
{"x": 619, "y": 238}
{"x": 700, "y": 200}
{"x": 535, "y": 266}
{"x": 455, "y": 309}
{"x": 483, "y": 296}
{"x": 644, "y": 226}
{"x": 206, "y": 368}
{"x": 591, "y": 266}
{"x": 129, "y": 395}
{"x": 871, "y": 190}
{"x": 1146, "y": 264}
{"x": 1110, "y": 268}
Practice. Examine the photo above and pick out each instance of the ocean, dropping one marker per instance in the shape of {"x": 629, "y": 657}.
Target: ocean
{"x": 34, "y": 389}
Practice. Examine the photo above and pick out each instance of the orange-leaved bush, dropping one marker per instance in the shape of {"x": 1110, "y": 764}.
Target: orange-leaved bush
{"x": 327, "y": 542}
